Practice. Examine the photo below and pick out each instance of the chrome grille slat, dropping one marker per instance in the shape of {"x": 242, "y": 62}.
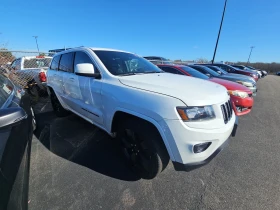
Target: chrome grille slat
{"x": 227, "y": 111}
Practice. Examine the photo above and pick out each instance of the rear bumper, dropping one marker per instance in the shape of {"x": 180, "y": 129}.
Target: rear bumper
{"x": 192, "y": 166}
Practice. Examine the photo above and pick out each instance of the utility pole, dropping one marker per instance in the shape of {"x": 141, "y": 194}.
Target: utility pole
{"x": 219, "y": 32}
{"x": 37, "y": 44}
{"x": 250, "y": 54}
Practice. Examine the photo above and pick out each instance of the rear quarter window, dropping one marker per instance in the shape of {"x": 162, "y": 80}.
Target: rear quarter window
{"x": 55, "y": 62}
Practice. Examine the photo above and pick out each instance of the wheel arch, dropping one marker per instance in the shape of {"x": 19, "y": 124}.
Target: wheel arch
{"x": 120, "y": 115}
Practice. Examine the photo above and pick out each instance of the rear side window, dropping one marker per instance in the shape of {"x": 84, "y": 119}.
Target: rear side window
{"x": 55, "y": 62}
{"x": 66, "y": 62}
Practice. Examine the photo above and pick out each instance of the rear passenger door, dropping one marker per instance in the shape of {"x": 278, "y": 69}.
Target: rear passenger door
{"x": 67, "y": 82}
{"x": 83, "y": 93}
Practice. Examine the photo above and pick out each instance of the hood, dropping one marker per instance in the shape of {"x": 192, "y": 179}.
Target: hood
{"x": 239, "y": 77}
{"x": 192, "y": 91}
{"x": 230, "y": 85}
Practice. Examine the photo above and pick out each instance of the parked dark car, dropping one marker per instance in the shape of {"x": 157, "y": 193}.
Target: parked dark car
{"x": 231, "y": 69}
{"x": 17, "y": 124}
{"x": 211, "y": 73}
{"x": 278, "y": 73}
{"x": 245, "y": 68}
{"x": 157, "y": 60}
{"x": 264, "y": 73}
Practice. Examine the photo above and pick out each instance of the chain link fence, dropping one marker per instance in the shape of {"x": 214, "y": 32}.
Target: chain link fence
{"x": 26, "y": 69}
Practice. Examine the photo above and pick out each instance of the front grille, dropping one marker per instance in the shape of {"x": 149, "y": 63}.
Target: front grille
{"x": 227, "y": 111}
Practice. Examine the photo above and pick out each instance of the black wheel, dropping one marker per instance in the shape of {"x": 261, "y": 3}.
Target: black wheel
{"x": 143, "y": 148}
{"x": 34, "y": 94}
{"x": 57, "y": 107}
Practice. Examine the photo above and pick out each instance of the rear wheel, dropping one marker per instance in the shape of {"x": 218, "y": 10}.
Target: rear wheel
{"x": 143, "y": 148}
{"x": 57, "y": 107}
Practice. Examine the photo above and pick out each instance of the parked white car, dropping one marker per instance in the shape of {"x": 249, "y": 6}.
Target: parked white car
{"x": 155, "y": 116}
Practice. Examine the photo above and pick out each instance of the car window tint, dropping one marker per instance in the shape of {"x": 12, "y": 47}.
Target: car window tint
{"x": 81, "y": 57}
{"x": 6, "y": 89}
{"x": 16, "y": 64}
{"x": 66, "y": 62}
{"x": 55, "y": 62}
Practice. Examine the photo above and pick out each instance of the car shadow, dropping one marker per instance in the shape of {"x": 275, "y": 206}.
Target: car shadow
{"x": 76, "y": 140}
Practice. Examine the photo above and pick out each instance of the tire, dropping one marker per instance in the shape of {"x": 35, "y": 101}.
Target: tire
{"x": 143, "y": 148}
{"x": 34, "y": 94}
{"x": 57, "y": 107}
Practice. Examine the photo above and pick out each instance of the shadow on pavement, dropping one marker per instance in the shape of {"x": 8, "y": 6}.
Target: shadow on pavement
{"x": 76, "y": 140}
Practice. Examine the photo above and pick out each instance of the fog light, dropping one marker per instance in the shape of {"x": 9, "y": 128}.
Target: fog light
{"x": 198, "y": 148}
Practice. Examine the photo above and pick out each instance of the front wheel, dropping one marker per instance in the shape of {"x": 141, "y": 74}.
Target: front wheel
{"x": 143, "y": 148}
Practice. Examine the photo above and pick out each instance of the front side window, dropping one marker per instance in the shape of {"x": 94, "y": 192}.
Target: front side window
{"x": 66, "y": 62}
{"x": 81, "y": 57}
{"x": 122, "y": 63}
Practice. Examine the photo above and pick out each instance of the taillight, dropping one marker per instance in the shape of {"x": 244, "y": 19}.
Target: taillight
{"x": 42, "y": 77}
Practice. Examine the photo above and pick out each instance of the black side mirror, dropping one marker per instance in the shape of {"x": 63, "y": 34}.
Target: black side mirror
{"x": 10, "y": 117}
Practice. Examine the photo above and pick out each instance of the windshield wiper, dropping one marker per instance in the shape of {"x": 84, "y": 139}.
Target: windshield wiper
{"x": 137, "y": 73}
{"x": 127, "y": 74}
{"x": 152, "y": 72}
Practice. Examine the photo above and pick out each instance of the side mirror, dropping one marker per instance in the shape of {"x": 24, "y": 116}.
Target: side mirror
{"x": 10, "y": 117}
{"x": 208, "y": 75}
{"x": 86, "y": 70}
{"x": 219, "y": 72}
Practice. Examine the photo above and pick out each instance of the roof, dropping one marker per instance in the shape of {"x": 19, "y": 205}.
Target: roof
{"x": 60, "y": 51}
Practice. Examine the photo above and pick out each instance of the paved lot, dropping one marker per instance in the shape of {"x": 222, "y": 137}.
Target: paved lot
{"x": 80, "y": 167}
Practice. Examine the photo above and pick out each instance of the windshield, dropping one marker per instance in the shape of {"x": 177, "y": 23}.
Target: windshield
{"x": 210, "y": 71}
{"x": 216, "y": 69}
{"x": 194, "y": 72}
{"x": 36, "y": 63}
{"x": 122, "y": 63}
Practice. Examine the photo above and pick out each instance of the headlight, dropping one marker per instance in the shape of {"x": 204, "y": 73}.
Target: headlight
{"x": 247, "y": 84}
{"x": 238, "y": 93}
{"x": 197, "y": 113}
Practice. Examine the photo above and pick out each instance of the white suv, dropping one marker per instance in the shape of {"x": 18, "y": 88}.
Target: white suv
{"x": 155, "y": 116}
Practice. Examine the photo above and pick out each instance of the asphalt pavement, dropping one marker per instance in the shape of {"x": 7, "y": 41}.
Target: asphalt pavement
{"x": 75, "y": 165}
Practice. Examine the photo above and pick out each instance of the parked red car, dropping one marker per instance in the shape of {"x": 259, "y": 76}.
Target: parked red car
{"x": 241, "y": 96}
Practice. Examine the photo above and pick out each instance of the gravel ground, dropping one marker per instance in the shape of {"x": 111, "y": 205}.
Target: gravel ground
{"x": 81, "y": 168}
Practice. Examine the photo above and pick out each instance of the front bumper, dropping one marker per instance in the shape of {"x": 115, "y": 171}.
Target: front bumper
{"x": 254, "y": 89}
{"x": 191, "y": 166}
{"x": 242, "y": 103}
{"x": 181, "y": 137}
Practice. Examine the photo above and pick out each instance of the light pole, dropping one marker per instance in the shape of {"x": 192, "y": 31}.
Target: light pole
{"x": 219, "y": 31}
{"x": 36, "y": 43}
{"x": 250, "y": 54}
